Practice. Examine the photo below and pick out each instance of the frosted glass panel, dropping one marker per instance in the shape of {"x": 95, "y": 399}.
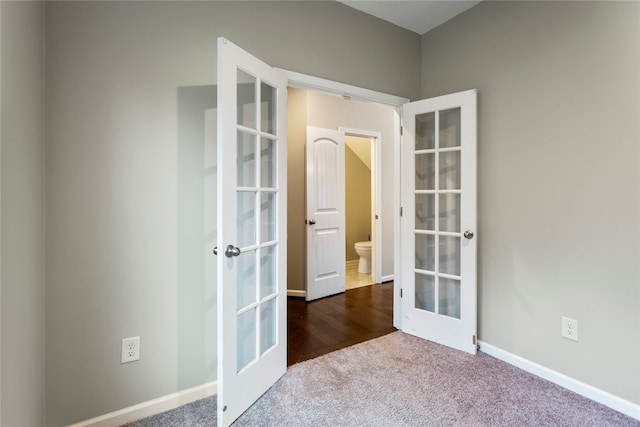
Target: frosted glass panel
{"x": 246, "y": 338}
{"x": 425, "y": 212}
{"x": 268, "y": 325}
{"x": 449, "y": 212}
{"x": 449, "y": 255}
{"x": 449, "y": 297}
{"x": 425, "y": 131}
{"x": 246, "y": 100}
{"x": 246, "y": 160}
{"x": 450, "y": 128}
{"x": 425, "y": 252}
{"x": 425, "y": 171}
{"x": 246, "y": 218}
{"x": 267, "y": 271}
{"x": 425, "y": 292}
{"x": 449, "y": 170}
{"x": 267, "y": 217}
{"x": 267, "y": 108}
{"x": 246, "y": 279}
{"x": 267, "y": 163}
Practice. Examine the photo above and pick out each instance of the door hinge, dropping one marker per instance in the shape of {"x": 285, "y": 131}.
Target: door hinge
{"x": 401, "y": 130}
{"x": 473, "y": 340}
{"x": 400, "y": 210}
{"x": 376, "y": 216}
{"x": 400, "y": 292}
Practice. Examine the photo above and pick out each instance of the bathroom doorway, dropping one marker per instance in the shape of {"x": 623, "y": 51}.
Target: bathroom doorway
{"x": 361, "y": 208}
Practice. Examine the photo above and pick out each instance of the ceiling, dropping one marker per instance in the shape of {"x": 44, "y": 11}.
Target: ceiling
{"x": 418, "y": 16}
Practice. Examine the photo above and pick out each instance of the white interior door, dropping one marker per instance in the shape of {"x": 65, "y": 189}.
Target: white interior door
{"x": 325, "y": 213}
{"x": 252, "y": 227}
{"x": 438, "y": 260}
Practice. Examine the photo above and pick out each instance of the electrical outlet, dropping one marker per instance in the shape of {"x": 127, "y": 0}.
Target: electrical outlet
{"x": 569, "y": 328}
{"x": 130, "y": 350}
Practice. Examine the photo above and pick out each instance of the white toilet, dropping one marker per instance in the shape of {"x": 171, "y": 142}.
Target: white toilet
{"x": 363, "y": 249}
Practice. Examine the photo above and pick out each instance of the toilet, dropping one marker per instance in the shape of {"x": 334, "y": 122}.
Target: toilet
{"x": 363, "y": 249}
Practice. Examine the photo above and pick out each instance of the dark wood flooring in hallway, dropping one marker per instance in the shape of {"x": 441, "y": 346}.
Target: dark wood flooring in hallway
{"x": 329, "y": 324}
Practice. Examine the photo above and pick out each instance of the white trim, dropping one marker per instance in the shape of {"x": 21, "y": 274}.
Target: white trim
{"x": 583, "y": 389}
{"x": 352, "y": 262}
{"x": 397, "y": 203}
{"x": 296, "y": 293}
{"x": 376, "y": 196}
{"x": 304, "y": 81}
{"x": 151, "y": 407}
{"x": 388, "y": 278}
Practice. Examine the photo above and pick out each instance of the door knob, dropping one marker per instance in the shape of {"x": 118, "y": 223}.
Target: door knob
{"x": 468, "y": 234}
{"x": 231, "y": 251}
{"x": 215, "y": 250}
{"x": 312, "y": 221}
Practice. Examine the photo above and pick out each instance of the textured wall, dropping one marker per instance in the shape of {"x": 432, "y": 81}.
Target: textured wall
{"x": 559, "y": 177}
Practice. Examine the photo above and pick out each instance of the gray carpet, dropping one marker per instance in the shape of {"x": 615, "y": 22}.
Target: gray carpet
{"x": 400, "y": 380}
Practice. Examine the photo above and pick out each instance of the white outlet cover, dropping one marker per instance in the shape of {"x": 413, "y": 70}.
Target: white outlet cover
{"x": 130, "y": 350}
{"x": 569, "y": 328}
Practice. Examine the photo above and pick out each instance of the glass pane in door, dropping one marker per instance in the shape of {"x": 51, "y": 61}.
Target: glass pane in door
{"x": 425, "y": 292}
{"x": 246, "y": 338}
{"x": 425, "y": 212}
{"x": 449, "y": 297}
{"x": 426, "y": 131}
{"x": 425, "y": 171}
{"x": 449, "y": 170}
{"x": 425, "y": 252}
{"x": 246, "y": 281}
{"x": 246, "y": 92}
{"x": 268, "y": 108}
{"x": 268, "y": 163}
{"x": 449, "y": 128}
{"x": 267, "y": 325}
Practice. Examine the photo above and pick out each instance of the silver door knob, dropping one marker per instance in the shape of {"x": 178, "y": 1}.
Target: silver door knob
{"x": 312, "y": 221}
{"x": 231, "y": 251}
{"x": 468, "y": 234}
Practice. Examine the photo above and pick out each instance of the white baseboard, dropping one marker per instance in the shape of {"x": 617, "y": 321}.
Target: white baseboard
{"x": 387, "y": 278}
{"x": 296, "y": 293}
{"x": 583, "y": 389}
{"x": 152, "y": 407}
{"x": 352, "y": 262}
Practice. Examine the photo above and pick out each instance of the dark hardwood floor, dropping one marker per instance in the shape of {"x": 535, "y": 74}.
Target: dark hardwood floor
{"x": 328, "y": 324}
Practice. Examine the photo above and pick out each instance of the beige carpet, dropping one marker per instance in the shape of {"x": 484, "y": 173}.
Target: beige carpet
{"x": 400, "y": 380}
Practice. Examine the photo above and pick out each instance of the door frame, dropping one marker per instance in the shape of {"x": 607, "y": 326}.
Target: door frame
{"x": 376, "y": 196}
{"x": 304, "y": 81}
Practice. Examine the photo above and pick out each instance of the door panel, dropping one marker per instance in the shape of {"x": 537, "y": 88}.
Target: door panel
{"x": 439, "y": 198}
{"x": 252, "y": 346}
{"x": 325, "y": 213}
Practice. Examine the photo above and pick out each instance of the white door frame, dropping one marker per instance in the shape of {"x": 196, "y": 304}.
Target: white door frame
{"x": 304, "y": 81}
{"x": 376, "y": 197}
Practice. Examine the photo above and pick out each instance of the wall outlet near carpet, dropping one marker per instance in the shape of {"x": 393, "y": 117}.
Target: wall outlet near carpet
{"x": 130, "y": 350}
{"x": 569, "y": 328}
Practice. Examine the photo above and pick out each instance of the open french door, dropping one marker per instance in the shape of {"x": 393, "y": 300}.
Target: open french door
{"x": 326, "y": 254}
{"x": 252, "y": 227}
{"x": 438, "y": 223}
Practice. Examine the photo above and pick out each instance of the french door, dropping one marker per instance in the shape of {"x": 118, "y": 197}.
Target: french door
{"x": 438, "y": 223}
{"x": 251, "y": 251}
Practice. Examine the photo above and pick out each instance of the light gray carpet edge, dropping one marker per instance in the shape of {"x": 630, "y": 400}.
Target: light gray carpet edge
{"x": 401, "y": 380}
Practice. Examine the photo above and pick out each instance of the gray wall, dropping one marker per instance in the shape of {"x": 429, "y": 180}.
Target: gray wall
{"x": 22, "y": 192}
{"x": 130, "y": 86}
{"x": 559, "y": 177}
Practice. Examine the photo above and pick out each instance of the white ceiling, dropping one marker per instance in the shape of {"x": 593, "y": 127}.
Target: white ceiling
{"x": 418, "y": 16}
